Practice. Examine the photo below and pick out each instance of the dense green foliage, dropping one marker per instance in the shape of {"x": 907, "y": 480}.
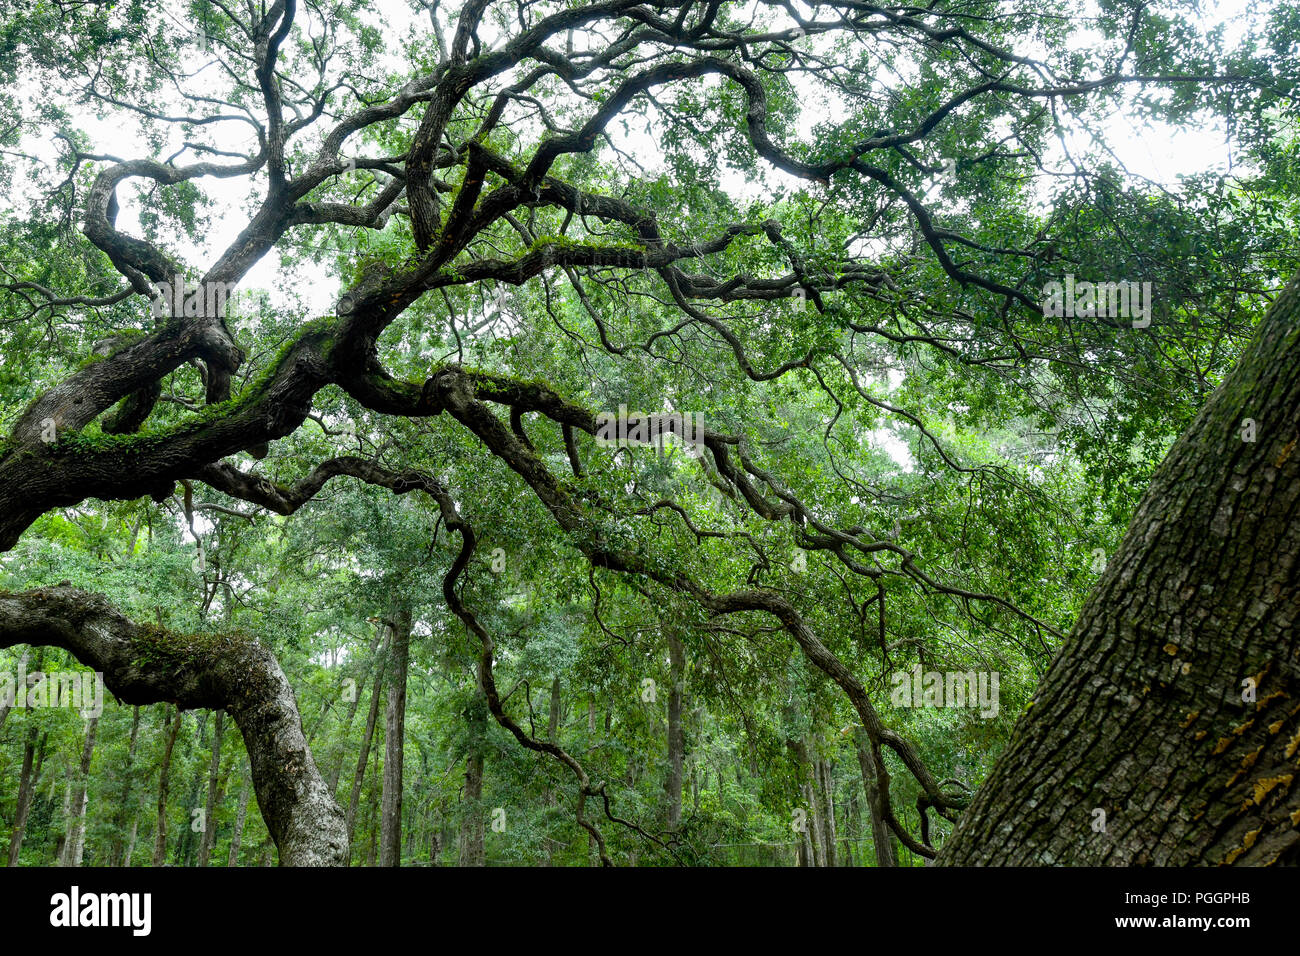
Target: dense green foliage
{"x": 996, "y": 452}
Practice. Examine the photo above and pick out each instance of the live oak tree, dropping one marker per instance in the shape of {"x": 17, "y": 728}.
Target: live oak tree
{"x": 814, "y": 226}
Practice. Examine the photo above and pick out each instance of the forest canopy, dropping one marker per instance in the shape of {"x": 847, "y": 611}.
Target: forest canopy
{"x": 574, "y": 433}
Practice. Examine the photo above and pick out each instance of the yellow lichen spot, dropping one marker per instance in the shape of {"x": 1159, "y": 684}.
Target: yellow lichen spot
{"x": 1292, "y": 745}
{"x": 1264, "y": 786}
{"x": 1238, "y": 731}
{"x": 1286, "y": 453}
{"x": 1264, "y": 700}
{"x": 1275, "y": 726}
{"x": 1171, "y": 649}
{"x": 1190, "y": 717}
{"x": 1246, "y": 844}
{"x": 1200, "y": 735}
{"x": 1295, "y": 818}
{"x": 1223, "y": 744}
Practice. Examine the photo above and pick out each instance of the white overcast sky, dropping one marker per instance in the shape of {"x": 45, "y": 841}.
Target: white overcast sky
{"x": 1157, "y": 153}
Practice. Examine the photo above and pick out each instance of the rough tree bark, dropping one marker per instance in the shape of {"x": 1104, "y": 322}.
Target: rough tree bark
{"x": 1173, "y": 705}
{"x": 143, "y": 664}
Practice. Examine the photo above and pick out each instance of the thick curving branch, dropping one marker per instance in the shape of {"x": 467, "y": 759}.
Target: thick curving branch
{"x": 143, "y": 664}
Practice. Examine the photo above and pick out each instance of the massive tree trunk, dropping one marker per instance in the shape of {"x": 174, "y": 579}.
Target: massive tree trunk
{"x": 390, "y": 840}
{"x": 143, "y": 665}
{"x": 1166, "y": 731}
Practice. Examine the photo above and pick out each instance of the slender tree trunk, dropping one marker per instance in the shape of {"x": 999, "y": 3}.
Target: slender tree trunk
{"x": 240, "y": 815}
{"x": 676, "y": 730}
{"x": 126, "y": 808}
{"x": 6, "y": 702}
{"x": 186, "y": 846}
{"x": 553, "y": 735}
{"x": 164, "y": 784}
{"x": 61, "y": 842}
{"x": 390, "y": 840}
{"x": 1166, "y": 731}
{"x": 210, "y": 808}
{"x": 33, "y": 758}
{"x": 553, "y": 717}
{"x": 881, "y": 838}
{"x": 27, "y": 777}
{"x": 473, "y": 834}
{"x": 826, "y": 806}
{"x": 372, "y": 815}
{"x": 852, "y": 826}
{"x": 473, "y": 850}
{"x": 812, "y": 828}
{"x": 77, "y": 827}
{"x": 371, "y": 718}
{"x": 130, "y": 844}
{"x": 332, "y": 779}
